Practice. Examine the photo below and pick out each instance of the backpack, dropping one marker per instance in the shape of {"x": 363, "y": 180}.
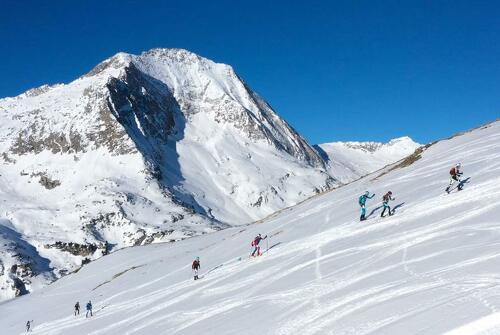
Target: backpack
{"x": 360, "y": 201}
{"x": 453, "y": 171}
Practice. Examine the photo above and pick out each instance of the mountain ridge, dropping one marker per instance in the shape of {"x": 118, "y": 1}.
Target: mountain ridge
{"x": 352, "y": 159}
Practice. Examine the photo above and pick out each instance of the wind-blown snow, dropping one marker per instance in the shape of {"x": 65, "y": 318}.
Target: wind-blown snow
{"x": 432, "y": 268}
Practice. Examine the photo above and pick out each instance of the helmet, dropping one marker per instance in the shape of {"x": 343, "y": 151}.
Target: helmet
{"x": 259, "y": 234}
{"x": 458, "y": 165}
{"x": 367, "y": 193}
{"x": 197, "y": 258}
{"x": 389, "y": 192}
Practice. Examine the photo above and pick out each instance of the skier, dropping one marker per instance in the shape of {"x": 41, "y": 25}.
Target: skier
{"x": 362, "y": 202}
{"x": 255, "y": 244}
{"x": 28, "y": 325}
{"x": 89, "y": 309}
{"x": 386, "y": 198}
{"x": 455, "y": 175}
{"x": 77, "y": 308}
{"x": 196, "y": 267}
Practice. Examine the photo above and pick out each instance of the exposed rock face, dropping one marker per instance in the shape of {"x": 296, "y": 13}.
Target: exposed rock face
{"x": 20, "y": 264}
{"x": 46, "y": 181}
{"x": 75, "y": 249}
{"x": 19, "y": 287}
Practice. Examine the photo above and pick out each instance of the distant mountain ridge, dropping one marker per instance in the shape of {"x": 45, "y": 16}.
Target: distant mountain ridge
{"x": 348, "y": 161}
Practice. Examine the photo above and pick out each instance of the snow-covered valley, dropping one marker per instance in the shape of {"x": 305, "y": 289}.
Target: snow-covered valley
{"x": 431, "y": 268}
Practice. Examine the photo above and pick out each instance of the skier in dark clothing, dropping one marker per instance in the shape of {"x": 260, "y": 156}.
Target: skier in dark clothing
{"x": 89, "y": 309}
{"x": 362, "y": 203}
{"x": 255, "y": 244}
{"x": 28, "y": 325}
{"x": 455, "y": 175}
{"x": 77, "y": 308}
{"x": 385, "y": 199}
{"x": 196, "y": 267}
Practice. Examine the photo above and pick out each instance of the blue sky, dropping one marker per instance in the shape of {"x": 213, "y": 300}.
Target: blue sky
{"x": 336, "y": 70}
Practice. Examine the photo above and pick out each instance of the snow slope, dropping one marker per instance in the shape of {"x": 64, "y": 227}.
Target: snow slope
{"x": 432, "y": 268}
{"x": 348, "y": 161}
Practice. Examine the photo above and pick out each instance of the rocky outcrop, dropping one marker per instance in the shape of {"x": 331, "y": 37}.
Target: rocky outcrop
{"x": 76, "y": 249}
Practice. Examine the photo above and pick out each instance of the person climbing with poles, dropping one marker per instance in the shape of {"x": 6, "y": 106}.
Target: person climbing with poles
{"x": 385, "y": 202}
{"x": 29, "y": 326}
{"x": 362, "y": 203}
{"x": 255, "y": 244}
{"x": 196, "y": 267}
{"x": 455, "y": 176}
{"x": 89, "y": 309}
{"x": 77, "y": 308}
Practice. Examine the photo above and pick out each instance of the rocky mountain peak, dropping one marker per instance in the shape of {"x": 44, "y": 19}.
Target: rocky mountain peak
{"x": 144, "y": 148}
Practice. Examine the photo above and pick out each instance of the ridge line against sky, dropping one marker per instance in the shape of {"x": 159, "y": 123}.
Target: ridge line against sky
{"x": 336, "y": 71}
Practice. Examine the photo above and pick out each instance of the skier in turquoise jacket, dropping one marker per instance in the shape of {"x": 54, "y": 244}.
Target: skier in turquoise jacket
{"x": 362, "y": 203}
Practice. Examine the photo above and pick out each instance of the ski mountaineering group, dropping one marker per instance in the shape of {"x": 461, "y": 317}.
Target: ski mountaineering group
{"x": 455, "y": 176}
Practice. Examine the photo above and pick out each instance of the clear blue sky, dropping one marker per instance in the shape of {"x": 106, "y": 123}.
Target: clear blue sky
{"x": 336, "y": 70}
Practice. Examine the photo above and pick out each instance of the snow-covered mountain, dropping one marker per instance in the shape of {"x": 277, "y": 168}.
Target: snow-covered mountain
{"x": 156, "y": 147}
{"x": 431, "y": 268}
{"x": 149, "y": 148}
{"x": 348, "y": 161}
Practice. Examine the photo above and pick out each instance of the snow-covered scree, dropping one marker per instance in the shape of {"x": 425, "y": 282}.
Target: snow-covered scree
{"x": 431, "y": 268}
{"x": 348, "y": 161}
{"x": 150, "y": 148}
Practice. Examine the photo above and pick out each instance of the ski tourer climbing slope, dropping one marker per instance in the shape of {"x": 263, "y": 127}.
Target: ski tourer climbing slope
{"x": 362, "y": 202}
{"x": 196, "y": 267}
{"x": 385, "y": 202}
{"x": 255, "y": 244}
{"x": 89, "y": 309}
{"x": 455, "y": 176}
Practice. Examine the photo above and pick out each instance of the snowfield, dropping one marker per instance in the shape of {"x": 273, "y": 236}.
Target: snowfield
{"x": 432, "y": 268}
{"x": 348, "y": 161}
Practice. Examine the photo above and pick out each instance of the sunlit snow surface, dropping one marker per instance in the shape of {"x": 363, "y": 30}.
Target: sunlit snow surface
{"x": 348, "y": 161}
{"x": 432, "y": 268}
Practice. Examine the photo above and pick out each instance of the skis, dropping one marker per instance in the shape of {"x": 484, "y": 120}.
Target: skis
{"x": 460, "y": 186}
